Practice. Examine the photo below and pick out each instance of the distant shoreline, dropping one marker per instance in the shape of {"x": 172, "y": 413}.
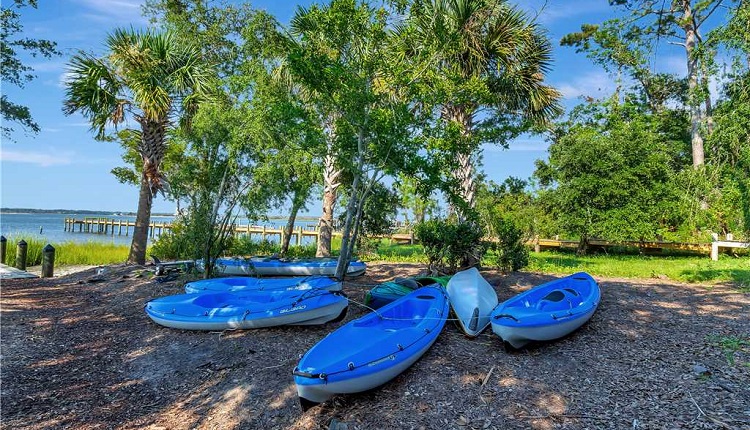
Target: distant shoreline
{"x": 29, "y": 211}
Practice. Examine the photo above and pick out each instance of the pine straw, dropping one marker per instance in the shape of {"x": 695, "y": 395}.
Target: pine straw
{"x": 79, "y": 352}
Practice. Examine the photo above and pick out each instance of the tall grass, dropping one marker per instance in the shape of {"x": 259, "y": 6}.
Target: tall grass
{"x": 69, "y": 253}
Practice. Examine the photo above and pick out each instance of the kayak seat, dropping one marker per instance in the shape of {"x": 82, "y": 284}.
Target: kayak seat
{"x": 554, "y": 296}
{"x": 553, "y": 301}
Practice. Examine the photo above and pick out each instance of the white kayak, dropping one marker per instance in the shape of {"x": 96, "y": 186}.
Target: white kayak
{"x": 472, "y": 299}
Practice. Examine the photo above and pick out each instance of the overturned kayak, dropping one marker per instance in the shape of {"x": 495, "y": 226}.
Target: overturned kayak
{"x": 371, "y": 350}
{"x": 387, "y": 292}
{"x": 548, "y": 311}
{"x": 244, "y": 283}
{"x": 253, "y": 309}
{"x": 272, "y": 266}
{"x": 472, "y": 299}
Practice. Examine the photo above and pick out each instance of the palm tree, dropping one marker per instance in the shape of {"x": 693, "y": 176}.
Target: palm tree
{"x": 491, "y": 58}
{"x": 151, "y": 78}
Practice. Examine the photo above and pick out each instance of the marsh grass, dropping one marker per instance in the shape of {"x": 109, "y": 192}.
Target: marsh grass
{"x": 68, "y": 253}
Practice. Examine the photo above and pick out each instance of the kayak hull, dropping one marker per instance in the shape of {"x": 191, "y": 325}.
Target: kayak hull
{"x": 547, "y": 312}
{"x": 244, "y": 283}
{"x": 228, "y": 311}
{"x": 472, "y": 300}
{"x": 266, "y": 266}
{"x": 372, "y": 350}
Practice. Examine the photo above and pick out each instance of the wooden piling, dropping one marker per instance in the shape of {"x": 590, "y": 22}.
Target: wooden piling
{"x": 21, "y": 254}
{"x": 48, "y": 261}
{"x": 3, "y": 247}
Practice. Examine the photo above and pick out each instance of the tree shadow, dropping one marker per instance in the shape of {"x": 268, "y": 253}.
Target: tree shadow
{"x": 736, "y": 276}
{"x": 86, "y": 355}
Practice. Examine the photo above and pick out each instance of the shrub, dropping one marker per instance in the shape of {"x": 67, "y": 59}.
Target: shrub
{"x": 450, "y": 246}
{"x": 509, "y": 252}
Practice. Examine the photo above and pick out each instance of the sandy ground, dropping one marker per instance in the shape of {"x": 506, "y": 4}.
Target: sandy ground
{"x": 79, "y": 352}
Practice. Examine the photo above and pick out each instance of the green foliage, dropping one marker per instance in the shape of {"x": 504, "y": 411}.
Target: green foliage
{"x": 449, "y": 245}
{"x": 611, "y": 174}
{"x": 473, "y": 56}
{"x": 509, "y": 253}
{"x": 244, "y": 245}
{"x": 12, "y": 70}
{"x": 515, "y": 201}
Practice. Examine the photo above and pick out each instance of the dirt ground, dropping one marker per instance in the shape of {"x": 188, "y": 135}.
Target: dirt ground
{"x": 79, "y": 352}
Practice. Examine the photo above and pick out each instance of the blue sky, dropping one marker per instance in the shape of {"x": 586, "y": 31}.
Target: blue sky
{"x": 64, "y": 167}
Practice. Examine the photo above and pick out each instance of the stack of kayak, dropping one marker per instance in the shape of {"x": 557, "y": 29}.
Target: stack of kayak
{"x": 406, "y": 318}
{"x": 274, "y": 266}
{"x": 243, "y": 303}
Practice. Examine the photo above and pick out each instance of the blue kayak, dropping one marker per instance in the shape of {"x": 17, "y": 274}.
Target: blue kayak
{"x": 253, "y": 309}
{"x": 371, "y": 350}
{"x": 272, "y": 266}
{"x": 244, "y": 283}
{"x": 548, "y": 311}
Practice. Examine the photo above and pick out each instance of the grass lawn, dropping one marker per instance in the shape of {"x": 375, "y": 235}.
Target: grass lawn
{"x": 679, "y": 268}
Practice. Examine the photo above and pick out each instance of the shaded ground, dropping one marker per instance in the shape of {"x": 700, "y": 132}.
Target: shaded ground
{"x": 79, "y": 352}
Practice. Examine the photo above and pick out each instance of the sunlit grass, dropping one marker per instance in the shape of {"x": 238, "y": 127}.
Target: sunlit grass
{"x": 678, "y": 268}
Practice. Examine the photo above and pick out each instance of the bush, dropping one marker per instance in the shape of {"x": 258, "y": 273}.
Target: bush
{"x": 509, "y": 252}
{"x": 450, "y": 246}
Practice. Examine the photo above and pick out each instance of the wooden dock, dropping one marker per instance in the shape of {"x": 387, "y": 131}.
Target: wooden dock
{"x": 109, "y": 226}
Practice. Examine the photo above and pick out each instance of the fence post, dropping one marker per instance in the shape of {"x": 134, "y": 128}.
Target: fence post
{"x": 21, "y": 254}
{"x": 3, "y": 247}
{"x": 48, "y": 261}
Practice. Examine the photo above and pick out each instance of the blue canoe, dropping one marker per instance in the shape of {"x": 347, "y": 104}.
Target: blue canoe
{"x": 272, "y": 266}
{"x": 244, "y": 283}
{"x": 548, "y": 311}
{"x": 254, "y": 309}
{"x": 371, "y": 350}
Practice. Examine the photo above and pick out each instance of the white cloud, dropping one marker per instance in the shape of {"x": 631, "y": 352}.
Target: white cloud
{"x": 44, "y": 159}
{"x": 592, "y": 84}
{"x": 121, "y": 11}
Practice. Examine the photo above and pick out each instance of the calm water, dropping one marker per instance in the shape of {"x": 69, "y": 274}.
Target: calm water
{"x": 50, "y": 227}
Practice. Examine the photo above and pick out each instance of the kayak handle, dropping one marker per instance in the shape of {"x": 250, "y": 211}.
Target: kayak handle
{"x": 310, "y": 375}
{"x": 498, "y": 316}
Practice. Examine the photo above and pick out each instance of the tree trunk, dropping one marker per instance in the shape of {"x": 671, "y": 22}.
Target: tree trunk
{"x": 289, "y": 227}
{"x": 583, "y": 245}
{"x": 351, "y": 210}
{"x": 692, "y": 69}
{"x": 325, "y": 225}
{"x": 464, "y": 174}
{"x": 142, "y": 219}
